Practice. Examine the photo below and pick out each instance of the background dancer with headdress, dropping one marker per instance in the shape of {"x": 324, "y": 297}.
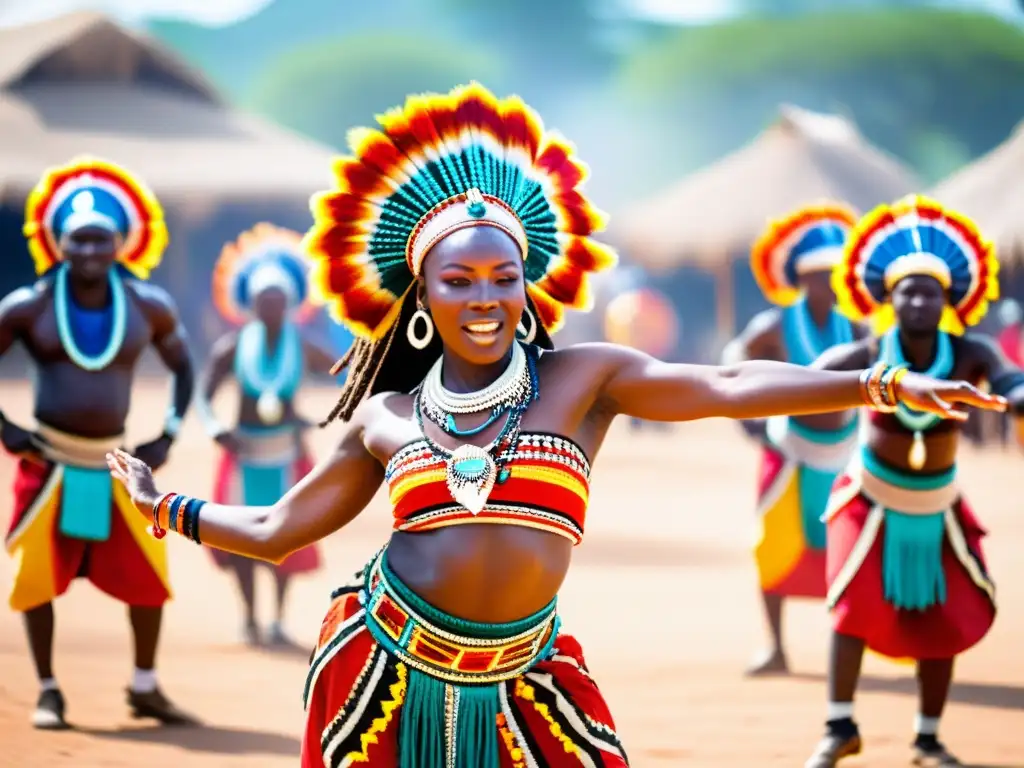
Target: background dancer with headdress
{"x": 792, "y": 263}
{"x": 260, "y": 284}
{"x": 456, "y": 228}
{"x": 95, "y": 233}
{"x": 907, "y": 576}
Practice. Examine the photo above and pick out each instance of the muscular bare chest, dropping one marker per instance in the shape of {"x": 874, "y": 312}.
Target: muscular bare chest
{"x": 47, "y": 346}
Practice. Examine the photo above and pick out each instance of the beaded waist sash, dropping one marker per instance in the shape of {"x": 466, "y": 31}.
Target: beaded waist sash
{"x": 445, "y": 647}
{"x": 911, "y": 494}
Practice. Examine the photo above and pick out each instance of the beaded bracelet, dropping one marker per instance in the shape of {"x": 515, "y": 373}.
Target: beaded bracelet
{"x": 874, "y": 394}
{"x": 179, "y": 513}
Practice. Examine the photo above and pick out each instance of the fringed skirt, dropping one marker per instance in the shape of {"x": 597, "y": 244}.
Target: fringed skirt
{"x": 397, "y": 683}
{"x": 905, "y": 566}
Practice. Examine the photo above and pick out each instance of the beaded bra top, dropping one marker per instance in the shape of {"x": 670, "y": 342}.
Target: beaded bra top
{"x": 545, "y": 485}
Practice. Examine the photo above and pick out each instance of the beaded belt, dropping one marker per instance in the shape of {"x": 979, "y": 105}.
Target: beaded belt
{"x": 478, "y": 654}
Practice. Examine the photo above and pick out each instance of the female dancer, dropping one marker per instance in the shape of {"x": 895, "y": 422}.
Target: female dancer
{"x": 792, "y": 263}
{"x": 259, "y": 284}
{"x": 454, "y": 229}
{"x": 907, "y": 575}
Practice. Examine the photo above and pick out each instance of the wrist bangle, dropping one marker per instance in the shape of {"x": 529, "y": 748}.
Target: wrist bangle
{"x": 179, "y": 513}
{"x": 894, "y": 383}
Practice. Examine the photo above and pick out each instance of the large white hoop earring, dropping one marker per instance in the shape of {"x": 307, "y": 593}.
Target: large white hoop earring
{"x": 527, "y": 328}
{"x": 420, "y": 342}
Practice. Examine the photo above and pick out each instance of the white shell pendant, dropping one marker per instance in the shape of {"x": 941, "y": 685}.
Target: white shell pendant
{"x": 918, "y": 454}
{"x": 269, "y": 408}
{"x": 471, "y": 474}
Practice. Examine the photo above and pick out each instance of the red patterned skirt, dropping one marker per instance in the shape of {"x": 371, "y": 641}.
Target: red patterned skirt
{"x": 395, "y": 683}
{"x": 858, "y": 526}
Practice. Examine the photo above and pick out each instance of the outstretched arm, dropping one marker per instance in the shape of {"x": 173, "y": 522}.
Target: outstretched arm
{"x": 760, "y": 340}
{"x": 333, "y": 494}
{"x": 635, "y": 384}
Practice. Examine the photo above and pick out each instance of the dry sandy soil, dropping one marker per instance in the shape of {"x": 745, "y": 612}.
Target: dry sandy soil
{"x": 662, "y": 594}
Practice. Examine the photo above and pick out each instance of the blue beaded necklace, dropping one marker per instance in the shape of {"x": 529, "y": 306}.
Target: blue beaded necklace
{"x": 804, "y": 340}
{"x": 65, "y": 328}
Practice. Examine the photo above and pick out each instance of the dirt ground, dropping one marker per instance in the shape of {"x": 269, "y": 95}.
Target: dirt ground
{"x": 662, "y": 594}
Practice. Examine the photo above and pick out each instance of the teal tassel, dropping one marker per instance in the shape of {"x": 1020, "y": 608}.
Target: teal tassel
{"x": 815, "y": 487}
{"x": 912, "y": 560}
{"x": 476, "y": 733}
{"x": 421, "y": 737}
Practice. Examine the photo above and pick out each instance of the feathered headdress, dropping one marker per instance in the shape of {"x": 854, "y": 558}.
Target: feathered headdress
{"x": 264, "y": 256}
{"x": 440, "y": 163}
{"x": 89, "y": 191}
{"x": 806, "y": 240}
{"x": 916, "y": 236}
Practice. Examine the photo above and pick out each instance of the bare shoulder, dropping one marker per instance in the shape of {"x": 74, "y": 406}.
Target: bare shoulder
{"x": 588, "y": 359}
{"x": 860, "y": 331}
{"x": 382, "y": 424}
{"x": 852, "y": 356}
{"x": 23, "y": 305}
{"x": 764, "y": 322}
{"x": 979, "y": 347}
{"x": 155, "y": 302}
{"x": 224, "y": 347}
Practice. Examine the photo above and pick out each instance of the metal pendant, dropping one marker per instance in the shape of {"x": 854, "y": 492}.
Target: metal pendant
{"x": 471, "y": 473}
{"x": 269, "y": 408}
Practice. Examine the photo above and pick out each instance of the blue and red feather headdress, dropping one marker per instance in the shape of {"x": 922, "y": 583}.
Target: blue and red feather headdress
{"x": 439, "y": 163}
{"x": 806, "y": 240}
{"x": 90, "y": 190}
{"x": 916, "y": 236}
{"x": 244, "y": 262}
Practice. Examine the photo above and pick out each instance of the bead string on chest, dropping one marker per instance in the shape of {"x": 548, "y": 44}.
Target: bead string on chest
{"x": 472, "y": 470}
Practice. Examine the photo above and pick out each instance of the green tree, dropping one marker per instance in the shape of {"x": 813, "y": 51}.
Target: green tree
{"x": 901, "y": 74}
{"x": 325, "y": 89}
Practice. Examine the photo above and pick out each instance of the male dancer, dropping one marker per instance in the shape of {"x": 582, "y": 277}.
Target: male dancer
{"x": 907, "y": 577}
{"x": 259, "y": 284}
{"x": 94, "y": 233}
{"x": 792, "y": 263}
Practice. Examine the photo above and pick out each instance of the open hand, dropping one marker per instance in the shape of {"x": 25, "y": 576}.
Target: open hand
{"x": 942, "y": 397}
{"x": 137, "y": 479}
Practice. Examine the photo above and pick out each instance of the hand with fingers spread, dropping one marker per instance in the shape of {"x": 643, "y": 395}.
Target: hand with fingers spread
{"x": 137, "y": 478}
{"x": 947, "y": 399}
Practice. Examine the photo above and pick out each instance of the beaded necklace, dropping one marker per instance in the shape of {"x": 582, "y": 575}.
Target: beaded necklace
{"x": 805, "y": 341}
{"x": 269, "y": 377}
{"x": 891, "y": 352}
{"x": 61, "y": 306}
{"x": 511, "y": 387}
{"x": 471, "y": 470}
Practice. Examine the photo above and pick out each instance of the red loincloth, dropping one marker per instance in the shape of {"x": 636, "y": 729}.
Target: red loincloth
{"x": 130, "y": 566}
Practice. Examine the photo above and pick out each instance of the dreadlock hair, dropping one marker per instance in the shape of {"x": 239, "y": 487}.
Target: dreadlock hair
{"x": 392, "y": 364}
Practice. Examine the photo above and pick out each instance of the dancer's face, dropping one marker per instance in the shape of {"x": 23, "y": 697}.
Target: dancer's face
{"x": 90, "y": 251}
{"x": 271, "y": 306}
{"x": 918, "y": 301}
{"x": 817, "y": 286}
{"x": 473, "y": 287}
